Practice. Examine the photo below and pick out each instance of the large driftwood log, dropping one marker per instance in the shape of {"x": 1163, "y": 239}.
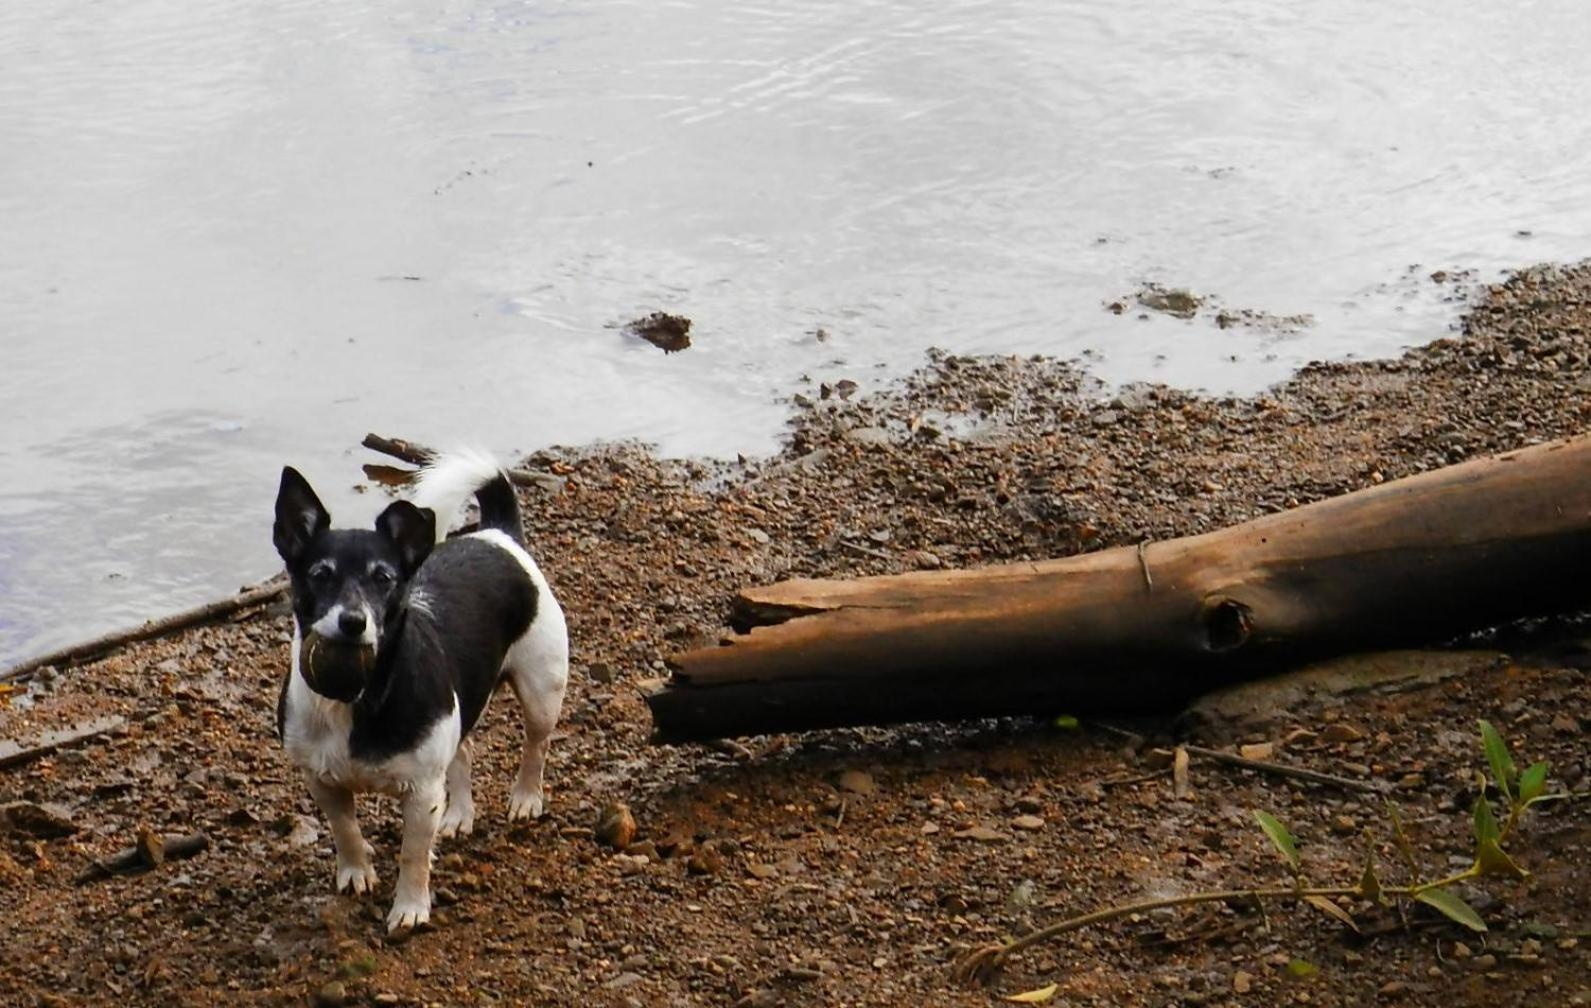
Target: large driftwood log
{"x": 1140, "y": 629}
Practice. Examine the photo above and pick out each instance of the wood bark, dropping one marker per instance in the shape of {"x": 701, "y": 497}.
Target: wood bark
{"x": 1146, "y": 628}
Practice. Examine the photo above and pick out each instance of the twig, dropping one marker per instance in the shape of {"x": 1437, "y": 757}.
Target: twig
{"x": 1298, "y": 773}
{"x": 982, "y": 963}
{"x": 99, "y": 647}
{"x": 1134, "y": 779}
{"x": 1143, "y": 563}
{"x": 865, "y": 551}
{"x": 417, "y": 454}
{"x": 729, "y": 747}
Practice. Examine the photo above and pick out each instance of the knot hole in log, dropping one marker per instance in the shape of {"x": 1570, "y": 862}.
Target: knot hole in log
{"x": 1228, "y": 624}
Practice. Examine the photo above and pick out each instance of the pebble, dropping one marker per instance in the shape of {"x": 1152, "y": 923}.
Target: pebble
{"x": 331, "y": 995}
{"x": 615, "y": 826}
{"x": 982, "y": 834}
{"x": 1242, "y": 982}
{"x": 857, "y": 782}
{"x": 1030, "y": 823}
{"x": 1339, "y": 731}
{"x": 1257, "y": 751}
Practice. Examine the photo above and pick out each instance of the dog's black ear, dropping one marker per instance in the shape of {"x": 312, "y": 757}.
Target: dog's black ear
{"x": 300, "y": 516}
{"x": 411, "y": 529}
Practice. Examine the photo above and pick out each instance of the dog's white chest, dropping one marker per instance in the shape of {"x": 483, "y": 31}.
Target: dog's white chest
{"x": 316, "y": 730}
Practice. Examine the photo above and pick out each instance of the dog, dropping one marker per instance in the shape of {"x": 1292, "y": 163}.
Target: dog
{"x": 400, "y": 637}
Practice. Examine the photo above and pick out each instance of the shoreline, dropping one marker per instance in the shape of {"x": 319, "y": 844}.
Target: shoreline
{"x": 838, "y": 867}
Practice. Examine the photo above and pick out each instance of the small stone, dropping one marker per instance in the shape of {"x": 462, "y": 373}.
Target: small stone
{"x": 623, "y": 980}
{"x": 1339, "y": 731}
{"x": 1485, "y": 962}
{"x": 982, "y": 834}
{"x": 1030, "y": 823}
{"x": 331, "y": 995}
{"x": 930, "y": 828}
{"x": 707, "y": 860}
{"x": 758, "y": 536}
{"x": 302, "y": 832}
{"x": 1257, "y": 751}
{"x": 615, "y": 826}
{"x": 1393, "y": 988}
{"x": 600, "y": 672}
{"x": 1344, "y": 824}
{"x": 857, "y": 782}
{"x": 1566, "y": 724}
{"x": 644, "y": 848}
{"x": 762, "y": 870}
{"x": 1242, "y": 982}
{"x": 387, "y": 998}
{"x": 41, "y": 822}
{"x": 1461, "y": 951}
{"x": 1029, "y": 804}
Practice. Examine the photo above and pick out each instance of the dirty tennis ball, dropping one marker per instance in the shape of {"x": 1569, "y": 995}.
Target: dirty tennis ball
{"x": 334, "y": 668}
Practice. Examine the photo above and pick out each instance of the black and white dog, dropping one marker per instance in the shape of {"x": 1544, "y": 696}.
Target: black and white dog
{"x": 400, "y": 637}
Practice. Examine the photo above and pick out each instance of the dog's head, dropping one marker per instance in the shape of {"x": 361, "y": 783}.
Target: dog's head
{"x": 348, "y": 584}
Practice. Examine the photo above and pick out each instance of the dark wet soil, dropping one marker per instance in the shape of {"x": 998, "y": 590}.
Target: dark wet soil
{"x": 848, "y": 867}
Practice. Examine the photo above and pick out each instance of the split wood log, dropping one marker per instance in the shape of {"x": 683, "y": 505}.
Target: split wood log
{"x": 150, "y": 851}
{"x": 416, "y": 454}
{"x": 1146, "y": 628}
{"x": 99, "y": 647}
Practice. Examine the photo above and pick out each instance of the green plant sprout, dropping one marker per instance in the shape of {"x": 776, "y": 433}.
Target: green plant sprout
{"x": 1518, "y": 791}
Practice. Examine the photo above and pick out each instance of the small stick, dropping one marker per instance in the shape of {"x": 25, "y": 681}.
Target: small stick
{"x": 1143, "y": 563}
{"x": 417, "y": 454}
{"x": 865, "y": 551}
{"x": 1298, "y": 773}
{"x": 99, "y": 647}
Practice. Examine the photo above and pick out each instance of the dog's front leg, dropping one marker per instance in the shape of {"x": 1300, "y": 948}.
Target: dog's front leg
{"x": 354, "y": 871}
{"x": 422, "y": 811}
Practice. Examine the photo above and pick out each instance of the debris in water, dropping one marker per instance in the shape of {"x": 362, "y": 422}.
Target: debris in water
{"x": 670, "y": 333}
{"x": 1181, "y": 303}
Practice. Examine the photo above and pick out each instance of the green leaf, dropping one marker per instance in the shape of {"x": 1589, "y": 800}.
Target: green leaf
{"x": 1402, "y": 838}
{"x": 1039, "y": 996}
{"x": 1370, "y": 882}
{"x": 1497, "y": 755}
{"x": 1301, "y": 969}
{"x": 1486, "y": 828}
{"x": 1282, "y": 839}
{"x": 1533, "y": 782}
{"x": 1070, "y": 723}
{"x": 1455, "y": 908}
{"x": 1491, "y": 859}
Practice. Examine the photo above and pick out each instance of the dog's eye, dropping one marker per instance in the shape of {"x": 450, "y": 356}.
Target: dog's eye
{"x": 321, "y": 573}
{"x": 382, "y": 576}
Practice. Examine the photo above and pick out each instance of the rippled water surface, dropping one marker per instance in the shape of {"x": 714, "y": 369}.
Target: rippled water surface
{"x": 237, "y": 235}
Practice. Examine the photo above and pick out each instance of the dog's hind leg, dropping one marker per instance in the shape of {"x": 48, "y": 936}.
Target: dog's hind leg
{"x": 354, "y": 871}
{"x": 459, "y": 819}
{"x": 538, "y": 671}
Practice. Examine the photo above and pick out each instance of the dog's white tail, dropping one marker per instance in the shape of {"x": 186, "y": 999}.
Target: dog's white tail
{"x": 452, "y": 478}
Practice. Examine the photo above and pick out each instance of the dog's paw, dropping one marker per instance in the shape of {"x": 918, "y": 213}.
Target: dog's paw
{"x": 409, "y": 913}
{"x": 524, "y": 805}
{"x": 458, "y": 820}
{"x": 356, "y": 878}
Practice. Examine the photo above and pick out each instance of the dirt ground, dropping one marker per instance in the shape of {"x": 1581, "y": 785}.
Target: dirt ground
{"x": 848, "y": 867}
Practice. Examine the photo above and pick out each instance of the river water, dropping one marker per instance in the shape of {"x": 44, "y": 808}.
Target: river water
{"x": 240, "y": 234}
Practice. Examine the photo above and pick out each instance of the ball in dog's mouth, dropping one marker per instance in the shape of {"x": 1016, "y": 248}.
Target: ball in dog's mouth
{"x": 333, "y": 668}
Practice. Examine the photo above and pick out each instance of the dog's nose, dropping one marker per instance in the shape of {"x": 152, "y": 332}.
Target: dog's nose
{"x": 351, "y": 622}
